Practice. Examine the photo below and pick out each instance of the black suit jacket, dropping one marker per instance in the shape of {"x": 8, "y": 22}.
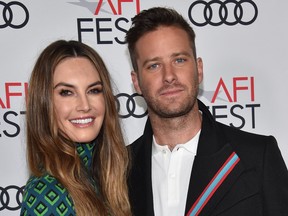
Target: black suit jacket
{"x": 257, "y": 184}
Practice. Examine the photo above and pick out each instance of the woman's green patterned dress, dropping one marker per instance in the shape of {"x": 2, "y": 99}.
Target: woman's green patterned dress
{"x": 45, "y": 196}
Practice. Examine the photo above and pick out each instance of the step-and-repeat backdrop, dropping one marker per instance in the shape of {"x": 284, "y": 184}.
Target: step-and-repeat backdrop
{"x": 243, "y": 44}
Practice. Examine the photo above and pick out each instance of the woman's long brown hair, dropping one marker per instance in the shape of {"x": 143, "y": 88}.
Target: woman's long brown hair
{"x": 48, "y": 150}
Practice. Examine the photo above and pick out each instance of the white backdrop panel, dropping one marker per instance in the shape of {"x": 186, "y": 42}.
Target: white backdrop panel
{"x": 249, "y": 60}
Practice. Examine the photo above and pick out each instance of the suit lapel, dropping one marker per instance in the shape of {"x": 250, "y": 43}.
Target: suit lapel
{"x": 211, "y": 179}
{"x": 212, "y": 154}
{"x": 148, "y": 167}
{"x": 140, "y": 181}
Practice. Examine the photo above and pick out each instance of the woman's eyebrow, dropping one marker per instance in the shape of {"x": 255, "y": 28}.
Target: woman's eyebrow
{"x": 72, "y": 86}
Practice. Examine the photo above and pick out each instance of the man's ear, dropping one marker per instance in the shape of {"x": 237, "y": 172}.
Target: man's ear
{"x": 135, "y": 80}
{"x": 200, "y": 69}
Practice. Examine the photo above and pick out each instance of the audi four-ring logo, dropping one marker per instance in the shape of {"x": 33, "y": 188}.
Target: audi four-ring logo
{"x": 11, "y": 197}
{"x": 229, "y": 12}
{"x": 126, "y": 105}
{"x": 14, "y": 15}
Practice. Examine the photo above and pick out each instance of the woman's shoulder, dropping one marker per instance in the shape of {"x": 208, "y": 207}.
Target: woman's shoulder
{"x": 45, "y": 195}
{"x": 42, "y": 183}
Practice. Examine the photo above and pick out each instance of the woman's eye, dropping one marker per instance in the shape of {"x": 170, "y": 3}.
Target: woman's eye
{"x": 65, "y": 92}
{"x": 95, "y": 90}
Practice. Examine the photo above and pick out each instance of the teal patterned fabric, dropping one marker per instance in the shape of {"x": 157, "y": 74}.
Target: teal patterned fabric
{"x": 45, "y": 196}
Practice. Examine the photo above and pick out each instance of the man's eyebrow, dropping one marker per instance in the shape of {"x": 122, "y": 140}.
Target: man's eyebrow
{"x": 181, "y": 53}
{"x": 151, "y": 60}
{"x": 185, "y": 53}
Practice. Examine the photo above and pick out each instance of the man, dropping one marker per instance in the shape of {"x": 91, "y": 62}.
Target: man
{"x": 186, "y": 163}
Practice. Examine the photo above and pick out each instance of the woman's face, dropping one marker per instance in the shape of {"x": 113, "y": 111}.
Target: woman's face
{"x": 78, "y": 99}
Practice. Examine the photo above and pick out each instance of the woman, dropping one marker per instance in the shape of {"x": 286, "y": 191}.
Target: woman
{"x": 76, "y": 153}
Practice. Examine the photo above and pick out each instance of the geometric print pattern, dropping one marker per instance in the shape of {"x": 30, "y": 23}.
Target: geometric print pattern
{"x": 85, "y": 152}
{"x": 45, "y": 196}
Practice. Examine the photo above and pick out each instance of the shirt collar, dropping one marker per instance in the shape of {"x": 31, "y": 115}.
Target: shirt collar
{"x": 190, "y": 146}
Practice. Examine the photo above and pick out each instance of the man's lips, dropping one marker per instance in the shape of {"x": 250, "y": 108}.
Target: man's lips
{"x": 171, "y": 91}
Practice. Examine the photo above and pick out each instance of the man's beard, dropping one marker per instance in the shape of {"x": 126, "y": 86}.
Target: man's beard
{"x": 172, "y": 108}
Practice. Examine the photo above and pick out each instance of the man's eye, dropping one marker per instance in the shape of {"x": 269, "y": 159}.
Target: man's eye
{"x": 180, "y": 60}
{"x": 65, "y": 92}
{"x": 153, "y": 66}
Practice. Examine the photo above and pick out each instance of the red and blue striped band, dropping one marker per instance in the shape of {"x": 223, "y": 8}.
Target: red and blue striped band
{"x": 214, "y": 184}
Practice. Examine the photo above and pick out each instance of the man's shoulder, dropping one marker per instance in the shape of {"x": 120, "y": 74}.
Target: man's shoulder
{"x": 235, "y": 134}
{"x": 251, "y": 147}
{"x": 137, "y": 145}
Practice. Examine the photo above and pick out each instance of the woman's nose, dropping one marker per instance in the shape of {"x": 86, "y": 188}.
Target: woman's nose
{"x": 83, "y": 103}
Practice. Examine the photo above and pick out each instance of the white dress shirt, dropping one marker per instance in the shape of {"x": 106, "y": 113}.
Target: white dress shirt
{"x": 171, "y": 172}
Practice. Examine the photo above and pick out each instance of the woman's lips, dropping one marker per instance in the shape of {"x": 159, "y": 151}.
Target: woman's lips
{"x": 82, "y": 122}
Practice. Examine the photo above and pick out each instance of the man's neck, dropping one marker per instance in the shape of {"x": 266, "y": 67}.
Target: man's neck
{"x": 178, "y": 130}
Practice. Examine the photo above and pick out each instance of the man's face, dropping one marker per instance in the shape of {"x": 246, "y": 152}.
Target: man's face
{"x": 168, "y": 75}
